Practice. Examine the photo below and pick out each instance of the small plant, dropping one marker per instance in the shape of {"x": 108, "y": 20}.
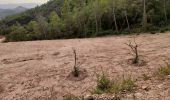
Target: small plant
{"x": 134, "y": 49}
{"x": 162, "y": 30}
{"x": 145, "y": 77}
{"x": 76, "y": 71}
{"x": 77, "y": 74}
{"x": 105, "y": 85}
{"x": 163, "y": 71}
{"x": 71, "y": 97}
{"x": 127, "y": 85}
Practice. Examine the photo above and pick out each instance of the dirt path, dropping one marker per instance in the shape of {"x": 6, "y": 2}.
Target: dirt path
{"x": 37, "y": 70}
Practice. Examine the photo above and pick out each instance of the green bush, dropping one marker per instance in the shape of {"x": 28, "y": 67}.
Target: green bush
{"x": 163, "y": 71}
{"x": 16, "y": 37}
{"x": 127, "y": 85}
{"x": 105, "y": 85}
{"x": 104, "y": 33}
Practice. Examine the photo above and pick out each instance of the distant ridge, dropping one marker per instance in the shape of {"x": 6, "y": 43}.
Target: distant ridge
{"x": 7, "y": 12}
{"x": 12, "y": 6}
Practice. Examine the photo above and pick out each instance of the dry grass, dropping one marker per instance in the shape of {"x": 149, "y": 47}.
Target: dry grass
{"x": 145, "y": 77}
{"x": 117, "y": 86}
{"x": 163, "y": 71}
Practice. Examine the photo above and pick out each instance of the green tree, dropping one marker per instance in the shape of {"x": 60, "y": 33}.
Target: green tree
{"x": 55, "y": 24}
{"x": 18, "y": 33}
{"x": 42, "y": 27}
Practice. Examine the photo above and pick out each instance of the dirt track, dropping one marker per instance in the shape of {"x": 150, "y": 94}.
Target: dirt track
{"x": 36, "y": 70}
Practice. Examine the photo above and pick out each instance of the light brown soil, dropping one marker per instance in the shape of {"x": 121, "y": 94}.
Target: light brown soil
{"x": 38, "y": 70}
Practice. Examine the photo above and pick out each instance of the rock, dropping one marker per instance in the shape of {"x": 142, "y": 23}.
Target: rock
{"x": 160, "y": 86}
{"x": 89, "y": 97}
{"x": 145, "y": 88}
{"x": 138, "y": 96}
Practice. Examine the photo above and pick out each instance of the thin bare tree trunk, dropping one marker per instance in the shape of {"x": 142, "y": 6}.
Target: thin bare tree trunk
{"x": 165, "y": 14}
{"x": 144, "y": 14}
{"x": 114, "y": 16}
{"x": 127, "y": 20}
{"x": 96, "y": 20}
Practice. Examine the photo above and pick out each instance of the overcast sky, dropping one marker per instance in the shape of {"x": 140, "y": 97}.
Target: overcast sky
{"x": 22, "y": 1}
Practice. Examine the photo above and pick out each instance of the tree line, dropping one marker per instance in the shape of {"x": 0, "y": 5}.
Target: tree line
{"x": 60, "y": 19}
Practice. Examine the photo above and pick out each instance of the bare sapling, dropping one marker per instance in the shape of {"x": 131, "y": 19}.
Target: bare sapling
{"x": 76, "y": 69}
{"x": 134, "y": 48}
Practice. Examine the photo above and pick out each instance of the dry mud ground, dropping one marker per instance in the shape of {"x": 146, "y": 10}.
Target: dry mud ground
{"x": 39, "y": 70}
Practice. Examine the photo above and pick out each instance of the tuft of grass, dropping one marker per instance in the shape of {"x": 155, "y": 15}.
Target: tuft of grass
{"x": 163, "y": 71}
{"x": 71, "y": 97}
{"x": 145, "y": 77}
{"x": 127, "y": 85}
{"x": 117, "y": 86}
{"x": 103, "y": 84}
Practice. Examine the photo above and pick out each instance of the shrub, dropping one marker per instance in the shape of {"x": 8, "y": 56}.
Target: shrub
{"x": 145, "y": 77}
{"x": 134, "y": 50}
{"x": 16, "y": 37}
{"x": 106, "y": 32}
{"x": 105, "y": 85}
{"x": 127, "y": 85}
{"x": 163, "y": 71}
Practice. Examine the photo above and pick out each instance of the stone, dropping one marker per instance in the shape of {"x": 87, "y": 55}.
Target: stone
{"x": 138, "y": 96}
{"x": 146, "y": 88}
{"x": 89, "y": 97}
{"x": 160, "y": 86}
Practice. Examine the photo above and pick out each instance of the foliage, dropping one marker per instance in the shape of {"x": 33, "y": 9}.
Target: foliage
{"x": 145, "y": 77}
{"x": 163, "y": 71}
{"x": 105, "y": 85}
{"x": 88, "y": 18}
{"x": 19, "y": 33}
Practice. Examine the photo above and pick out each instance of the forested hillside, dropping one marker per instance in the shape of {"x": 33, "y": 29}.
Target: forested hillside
{"x": 87, "y": 18}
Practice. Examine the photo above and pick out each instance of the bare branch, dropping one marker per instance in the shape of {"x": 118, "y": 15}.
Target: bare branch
{"x": 134, "y": 48}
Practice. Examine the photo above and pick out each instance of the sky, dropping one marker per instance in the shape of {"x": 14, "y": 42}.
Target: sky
{"x": 22, "y": 1}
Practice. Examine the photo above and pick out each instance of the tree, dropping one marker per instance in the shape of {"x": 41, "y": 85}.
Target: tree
{"x": 144, "y": 14}
{"x": 18, "y": 33}
{"x": 165, "y": 13}
{"x": 31, "y": 26}
{"x": 42, "y": 27}
{"x": 55, "y": 24}
{"x": 125, "y": 12}
{"x": 112, "y": 8}
{"x": 67, "y": 16}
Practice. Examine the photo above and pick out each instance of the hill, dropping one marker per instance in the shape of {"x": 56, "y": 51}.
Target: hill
{"x": 39, "y": 70}
{"x": 12, "y": 6}
{"x": 27, "y": 16}
{"x": 89, "y": 18}
{"x": 7, "y": 12}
